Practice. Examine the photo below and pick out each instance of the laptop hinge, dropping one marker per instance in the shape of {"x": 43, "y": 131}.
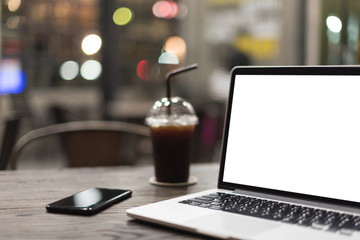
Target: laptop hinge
{"x": 237, "y": 191}
{"x": 257, "y": 194}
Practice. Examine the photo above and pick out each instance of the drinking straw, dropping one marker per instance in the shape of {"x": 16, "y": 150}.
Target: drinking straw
{"x": 173, "y": 73}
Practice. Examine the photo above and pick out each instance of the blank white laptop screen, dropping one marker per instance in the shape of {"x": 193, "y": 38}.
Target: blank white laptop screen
{"x": 296, "y": 133}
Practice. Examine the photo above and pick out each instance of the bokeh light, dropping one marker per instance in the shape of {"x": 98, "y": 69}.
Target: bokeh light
{"x": 177, "y": 46}
{"x": 334, "y": 24}
{"x": 14, "y": 5}
{"x": 91, "y": 44}
{"x": 12, "y": 78}
{"x": 14, "y": 22}
{"x": 62, "y": 9}
{"x": 168, "y": 58}
{"x": 142, "y": 70}
{"x": 165, "y": 9}
{"x": 69, "y": 70}
{"x": 91, "y": 70}
{"x": 123, "y": 16}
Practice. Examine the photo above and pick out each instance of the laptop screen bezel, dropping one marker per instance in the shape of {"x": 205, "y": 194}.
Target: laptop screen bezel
{"x": 280, "y": 70}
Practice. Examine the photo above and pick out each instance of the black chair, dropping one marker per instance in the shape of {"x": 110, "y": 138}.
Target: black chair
{"x": 11, "y": 129}
{"x": 86, "y": 143}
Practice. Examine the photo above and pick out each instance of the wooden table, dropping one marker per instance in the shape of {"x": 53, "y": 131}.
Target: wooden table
{"x": 24, "y": 194}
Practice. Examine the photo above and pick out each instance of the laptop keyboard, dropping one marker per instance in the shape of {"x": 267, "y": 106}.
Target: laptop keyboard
{"x": 278, "y": 211}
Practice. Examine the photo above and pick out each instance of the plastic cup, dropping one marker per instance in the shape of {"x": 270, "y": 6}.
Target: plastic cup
{"x": 171, "y": 134}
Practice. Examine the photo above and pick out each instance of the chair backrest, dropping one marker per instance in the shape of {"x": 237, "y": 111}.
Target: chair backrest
{"x": 11, "y": 129}
{"x": 87, "y": 143}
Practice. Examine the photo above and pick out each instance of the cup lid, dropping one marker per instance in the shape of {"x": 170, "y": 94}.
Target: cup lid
{"x": 181, "y": 112}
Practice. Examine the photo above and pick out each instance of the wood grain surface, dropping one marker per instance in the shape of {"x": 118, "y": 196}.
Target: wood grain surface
{"x": 25, "y": 193}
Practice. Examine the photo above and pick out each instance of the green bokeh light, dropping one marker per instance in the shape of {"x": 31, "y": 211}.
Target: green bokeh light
{"x": 122, "y": 16}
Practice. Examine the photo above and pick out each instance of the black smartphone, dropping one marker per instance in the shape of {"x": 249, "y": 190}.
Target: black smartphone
{"x": 89, "y": 202}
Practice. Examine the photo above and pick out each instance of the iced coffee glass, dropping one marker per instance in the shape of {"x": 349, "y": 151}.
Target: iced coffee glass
{"x": 172, "y": 123}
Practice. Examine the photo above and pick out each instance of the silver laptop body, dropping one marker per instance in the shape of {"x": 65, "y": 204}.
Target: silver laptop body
{"x": 291, "y": 136}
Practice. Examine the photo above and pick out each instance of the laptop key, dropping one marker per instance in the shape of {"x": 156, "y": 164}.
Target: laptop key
{"x": 306, "y": 222}
{"x": 185, "y": 202}
{"x": 290, "y": 220}
{"x": 346, "y": 231}
{"x": 216, "y": 207}
{"x": 320, "y": 226}
{"x": 205, "y": 205}
{"x": 194, "y": 204}
{"x": 206, "y": 197}
{"x": 199, "y": 200}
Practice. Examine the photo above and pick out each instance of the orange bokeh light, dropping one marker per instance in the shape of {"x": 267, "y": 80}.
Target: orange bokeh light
{"x": 176, "y": 45}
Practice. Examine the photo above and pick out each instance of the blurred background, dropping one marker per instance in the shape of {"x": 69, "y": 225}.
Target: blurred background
{"x": 65, "y": 60}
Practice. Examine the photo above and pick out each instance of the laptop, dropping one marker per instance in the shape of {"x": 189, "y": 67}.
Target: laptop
{"x": 290, "y": 160}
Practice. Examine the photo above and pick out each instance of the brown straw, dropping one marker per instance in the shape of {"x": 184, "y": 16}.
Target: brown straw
{"x": 173, "y": 73}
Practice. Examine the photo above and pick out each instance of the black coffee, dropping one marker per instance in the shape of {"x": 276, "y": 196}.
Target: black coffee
{"x": 172, "y": 151}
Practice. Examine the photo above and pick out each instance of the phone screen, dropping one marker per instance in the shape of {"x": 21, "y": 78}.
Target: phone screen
{"x": 89, "y": 201}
